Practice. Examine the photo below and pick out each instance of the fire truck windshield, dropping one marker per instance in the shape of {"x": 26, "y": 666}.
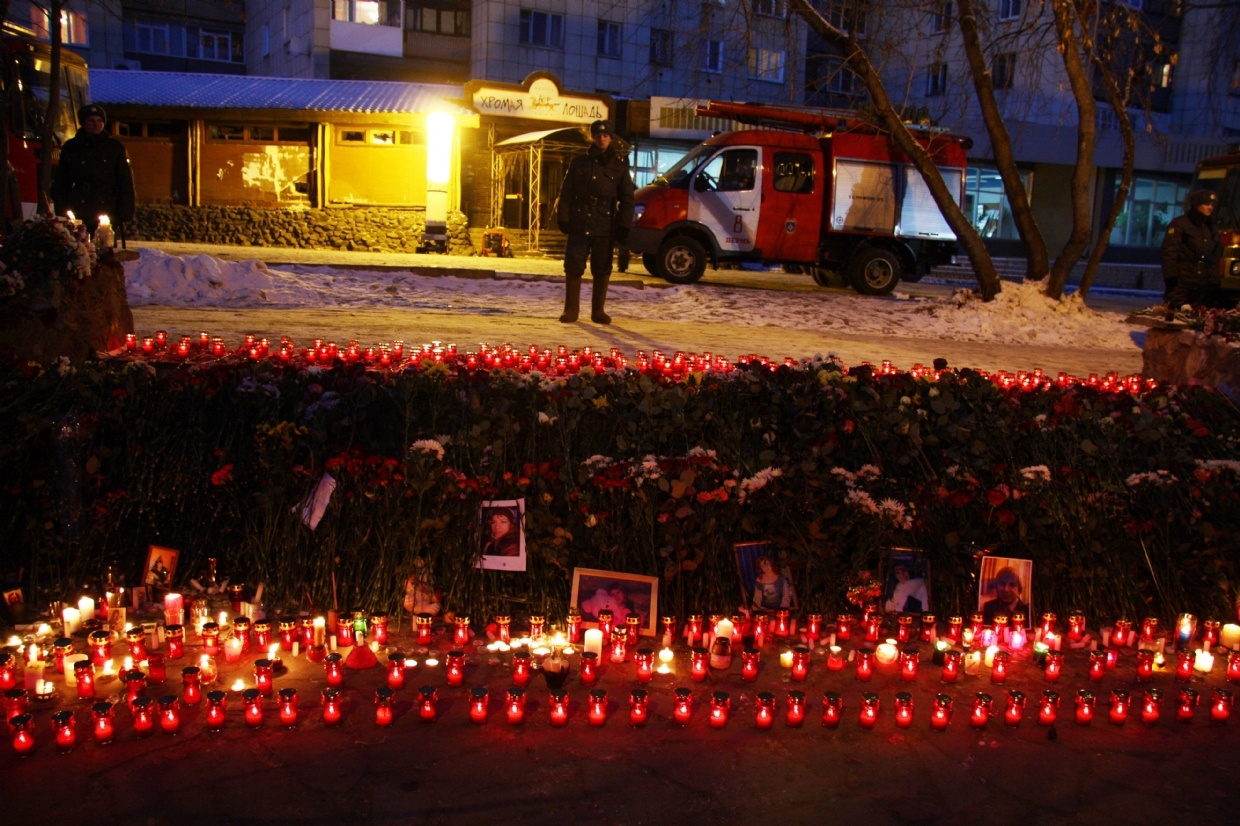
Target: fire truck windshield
{"x": 678, "y": 176}
{"x": 1225, "y": 182}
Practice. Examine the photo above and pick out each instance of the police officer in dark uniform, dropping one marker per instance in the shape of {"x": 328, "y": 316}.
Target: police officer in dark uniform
{"x": 93, "y": 177}
{"x": 1190, "y": 254}
{"x": 595, "y": 210}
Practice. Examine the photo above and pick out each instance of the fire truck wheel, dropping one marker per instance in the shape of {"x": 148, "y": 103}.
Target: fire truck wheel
{"x": 874, "y": 271}
{"x": 650, "y": 262}
{"x": 821, "y": 276}
{"x": 681, "y": 260}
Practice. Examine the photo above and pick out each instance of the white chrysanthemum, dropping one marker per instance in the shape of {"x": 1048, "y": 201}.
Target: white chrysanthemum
{"x": 1037, "y": 473}
{"x": 428, "y": 446}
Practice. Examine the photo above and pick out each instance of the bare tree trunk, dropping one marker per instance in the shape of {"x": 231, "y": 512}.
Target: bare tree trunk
{"x": 856, "y": 59}
{"x": 8, "y": 100}
{"x": 53, "y": 111}
{"x": 1037, "y": 260}
{"x": 1118, "y": 101}
{"x": 1078, "y": 80}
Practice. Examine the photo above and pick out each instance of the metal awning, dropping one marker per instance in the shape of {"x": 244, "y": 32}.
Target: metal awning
{"x": 564, "y": 135}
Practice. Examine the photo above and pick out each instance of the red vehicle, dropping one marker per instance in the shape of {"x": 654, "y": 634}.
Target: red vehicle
{"x": 818, "y": 192}
{"x": 1222, "y": 176}
{"x": 27, "y": 69}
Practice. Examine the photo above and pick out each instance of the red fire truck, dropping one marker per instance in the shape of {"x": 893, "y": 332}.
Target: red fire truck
{"x": 1222, "y": 176}
{"x": 814, "y": 190}
{"x": 27, "y": 71}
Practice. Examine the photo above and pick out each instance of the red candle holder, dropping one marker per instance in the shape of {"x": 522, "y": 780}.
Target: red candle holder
{"x": 241, "y": 631}
{"x": 795, "y": 716}
{"x": 15, "y": 702}
{"x": 908, "y": 664}
{"x": 1220, "y": 705}
{"x": 479, "y": 701}
{"x": 904, "y": 628}
{"x": 865, "y": 664}
{"x": 1121, "y": 633}
{"x": 262, "y": 634}
{"x": 904, "y": 709}
{"x": 344, "y": 631}
{"x": 383, "y": 707}
{"x": 572, "y": 626}
{"x": 589, "y": 669}
{"x": 503, "y": 628}
{"x": 1085, "y": 702}
{"x": 22, "y": 728}
{"x": 1054, "y": 666}
{"x": 873, "y": 626}
{"x": 461, "y": 635}
{"x": 1233, "y": 666}
{"x": 598, "y": 707}
{"x": 217, "y": 703}
{"x": 870, "y": 707}
{"x": 143, "y": 716}
{"x": 427, "y": 697}
{"x": 332, "y": 713}
{"x": 287, "y": 634}
{"x": 750, "y": 659}
{"x": 941, "y": 715}
{"x": 1098, "y": 666}
{"x": 929, "y": 628}
{"x": 1187, "y": 704}
{"x": 951, "y": 665}
{"x": 843, "y": 626}
{"x": 720, "y": 705}
{"x": 619, "y": 647}
{"x": 191, "y": 685}
{"x": 333, "y": 666}
{"x": 955, "y": 628}
{"x": 1184, "y": 659}
{"x": 999, "y": 667}
{"x": 699, "y": 661}
{"x": 135, "y": 683}
{"x": 1017, "y": 636}
{"x": 65, "y": 724}
{"x": 832, "y": 709}
{"x": 557, "y": 706}
{"x": 252, "y": 701}
{"x": 103, "y": 722}
{"x": 667, "y": 626}
{"x": 1048, "y": 708}
{"x": 62, "y": 648}
{"x": 783, "y": 622}
{"x": 977, "y": 623}
{"x": 1121, "y": 703}
{"x": 1209, "y": 633}
{"x": 813, "y": 627}
{"x": 287, "y": 707}
{"x": 396, "y": 671}
{"x": 379, "y": 627}
{"x": 84, "y": 673}
{"x": 1076, "y": 626}
{"x": 632, "y": 629}
{"x": 1048, "y": 623}
{"x": 1149, "y": 628}
{"x": 693, "y": 628}
{"x": 8, "y": 671}
{"x": 682, "y": 706}
{"x": 607, "y": 619}
{"x": 639, "y": 706}
{"x": 174, "y": 637}
{"x": 1151, "y": 706}
{"x": 211, "y": 639}
{"x": 643, "y": 660}
{"x": 521, "y": 668}
{"x": 538, "y": 625}
{"x": 424, "y": 625}
{"x": 1145, "y": 665}
{"x": 982, "y": 704}
{"x": 800, "y": 663}
{"x": 764, "y": 705}
{"x": 100, "y": 646}
{"x": 835, "y": 658}
{"x": 1014, "y": 711}
{"x": 514, "y": 707}
{"x": 264, "y": 676}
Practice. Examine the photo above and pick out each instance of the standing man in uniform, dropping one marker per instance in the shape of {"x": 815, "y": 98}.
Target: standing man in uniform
{"x": 595, "y": 210}
{"x": 1190, "y": 254}
{"x": 93, "y": 177}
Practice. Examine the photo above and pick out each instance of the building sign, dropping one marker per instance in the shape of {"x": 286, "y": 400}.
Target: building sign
{"x": 539, "y": 98}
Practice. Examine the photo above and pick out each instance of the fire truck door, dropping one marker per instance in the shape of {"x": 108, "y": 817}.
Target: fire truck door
{"x": 727, "y": 194}
{"x": 791, "y": 205}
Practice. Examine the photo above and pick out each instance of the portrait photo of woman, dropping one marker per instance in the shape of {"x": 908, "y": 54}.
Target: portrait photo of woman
{"x": 766, "y": 580}
{"x": 501, "y": 535}
{"x": 907, "y": 589}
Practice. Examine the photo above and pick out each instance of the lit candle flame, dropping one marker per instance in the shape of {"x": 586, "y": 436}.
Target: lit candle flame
{"x": 239, "y": 685}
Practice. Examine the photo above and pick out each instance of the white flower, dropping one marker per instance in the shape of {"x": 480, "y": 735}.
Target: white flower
{"x": 543, "y": 418}
{"x": 598, "y": 462}
{"x": 1040, "y": 473}
{"x": 64, "y": 367}
{"x": 1160, "y": 477}
{"x": 860, "y": 499}
{"x": 848, "y": 476}
{"x": 427, "y": 446}
{"x": 756, "y": 482}
{"x": 700, "y": 452}
{"x": 868, "y": 472}
{"x": 1219, "y": 464}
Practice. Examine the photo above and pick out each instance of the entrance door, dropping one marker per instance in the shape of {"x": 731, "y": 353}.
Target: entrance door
{"x": 727, "y": 194}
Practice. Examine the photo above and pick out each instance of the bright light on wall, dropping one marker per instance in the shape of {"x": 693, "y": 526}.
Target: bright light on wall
{"x": 439, "y": 127}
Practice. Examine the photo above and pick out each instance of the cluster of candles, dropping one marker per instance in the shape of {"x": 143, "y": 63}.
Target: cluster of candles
{"x": 560, "y": 360}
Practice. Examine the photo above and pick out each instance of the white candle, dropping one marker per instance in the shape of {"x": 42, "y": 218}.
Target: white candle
{"x": 886, "y": 653}
{"x": 594, "y": 641}
{"x": 990, "y": 655}
{"x": 174, "y": 607}
{"x": 70, "y": 661}
{"x": 34, "y": 676}
{"x": 724, "y": 629}
{"x": 1204, "y": 661}
{"x": 73, "y": 620}
{"x": 1229, "y": 635}
{"x": 785, "y": 659}
{"x": 86, "y": 607}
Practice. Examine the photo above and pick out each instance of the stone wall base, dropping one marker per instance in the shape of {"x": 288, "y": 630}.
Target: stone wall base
{"x": 1190, "y": 357}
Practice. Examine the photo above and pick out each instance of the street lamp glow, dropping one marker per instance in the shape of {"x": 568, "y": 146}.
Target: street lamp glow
{"x": 439, "y": 128}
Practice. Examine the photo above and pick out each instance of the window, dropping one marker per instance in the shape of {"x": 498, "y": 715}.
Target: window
{"x": 370, "y": 12}
{"x": 437, "y": 19}
{"x": 608, "y": 39}
{"x": 770, "y": 8}
{"x": 794, "y": 172}
{"x": 987, "y": 205}
{"x": 1009, "y": 9}
{"x": 151, "y": 38}
{"x": 1150, "y": 207}
{"x": 936, "y": 80}
{"x": 1163, "y": 71}
{"x": 848, "y": 16}
{"x": 661, "y": 47}
{"x": 264, "y": 41}
{"x": 352, "y": 136}
{"x": 712, "y": 56}
{"x": 941, "y": 20}
{"x": 1003, "y": 70}
{"x": 766, "y": 64}
{"x": 72, "y": 26}
{"x": 838, "y": 79}
{"x": 216, "y": 132}
{"x": 539, "y": 28}
{"x": 729, "y": 171}
{"x": 214, "y": 45}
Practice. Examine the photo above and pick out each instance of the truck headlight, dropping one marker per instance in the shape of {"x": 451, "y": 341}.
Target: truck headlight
{"x": 638, "y": 212}
{"x": 1235, "y": 268}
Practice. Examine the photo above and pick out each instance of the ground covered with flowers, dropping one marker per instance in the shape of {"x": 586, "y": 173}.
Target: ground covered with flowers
{"x": 1122, "y": 493}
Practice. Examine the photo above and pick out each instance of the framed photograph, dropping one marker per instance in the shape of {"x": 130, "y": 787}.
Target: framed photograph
{"x": 161, "y": 566}
{"x": 766, "y": 579}
{"x": 624, "y": 594}
{"x": 139, "y": 596}
{"x": 501, "y": 535}
{"x": 906, "y": 589}
{"x": 1005, "y": 587}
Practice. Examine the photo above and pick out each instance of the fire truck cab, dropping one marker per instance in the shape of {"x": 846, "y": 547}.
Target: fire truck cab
{"x": 818, "y": 193}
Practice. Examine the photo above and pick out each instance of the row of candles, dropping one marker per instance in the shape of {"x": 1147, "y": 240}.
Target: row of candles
{"x": 561, "y": 360}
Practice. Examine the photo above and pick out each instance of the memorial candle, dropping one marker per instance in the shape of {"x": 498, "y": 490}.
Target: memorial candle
{"x": 379, "y": 627}
{"x": 1048, "y": 708}
{"x": 103, "y": 722}
{"x": 589, "y": 667}
{"x": 982, "y": 704}
{"x": 479, "y": 700}
{"x": 796, "y": 709}
{"x": 22, "y": 727}
{"x": 597, "y": 715}
{"x": 241, "y": 633}
{"x": 86, "y": 609}
{"x": 191, "y": 685}
{"x": 1229, "y": 635}
{"x": 262, "y": 633}
{"x": 955, "y": 628}
{"x": 1220, "y": 705}
{"x": 573, "y": 626}
{"x": 1097, "y": 665}
{"x": 521, "y": 668}
{"x": 870, "y": 707}
{"x": 999, "y": 667}
{"x": 143, "y": 716}
{"x": 594, "y": 642}
{"x": 1203, "y": 661}
{"x": 800, "y": 663}
{"x": 639, "y": 706}
{"x": 333, "y": 666}
{"x": 951, "y": 665}
{"x": 1048, "y": 623}
{"x": 908, "y": 665}
{"x": 904, "y": 709}
{"x": 813, "y": 628}
{"x": 217, "y": 702}
{"x": 455, "y": 669}
{"x": 843, "y": 626}
{"x": 1184, "y": 659}
{"x": 287, "y": 635}
{"x": 1014, "y": 711}
{"x": 84, "y": 676}
{"x": 538, "y": 624}
{"x": 693, "y": 629}
{"x": 1121, "y": 633}
{"x": 174, "y": 637}
{"x": 461, "y": 635}
{"x": 1233, "y": 666}
{"x": 1210, "y": 633}
{"x": 210, "y": 639}
{"x": 720, "y": 705}
{"x": 1076, "y": 626}
{"x": 764, "y": 708}
{"x": 941, "y": 715}
{"x": 929, "y": 630}
{"x": 252, "y": 700}
{"x": 1120, "y": 704}
{"x": 424, "y": 625}
{"x": 606, "y": 621}
{"x": 1085, "y": 702}
{"x": 1151, "y": 705}
{"x": 62, "y": 648}
{"x": 835, "y": 658}
{"x": 750, "y": 658}
{"x": 1185, "y": 630}
{"x": 783, "y": 622}
{"x": 71, "y": 619}
{"x": 873, "y": 624}
{"x": 643, "y": 660}
{"x": 8, "y": 671}
{"x": 668, "y": 625}
{"x": 332, "y": 713}
{"x": 1188, "y": 702}
{"x": 682, "y": 706}
{"x": 287, "y": 703}
{"x": 100, "y": 646}
{"x": 396, "y": 671}
{"x": 904, "y": 627}
{"x": 65, "y": 724}
{"x": 865, "y": 664}
{"x": 633, "y": 628}
{"x": 698, "y": 664}
{"x": 264, "y": 676}
{"x": 832, "y": 709}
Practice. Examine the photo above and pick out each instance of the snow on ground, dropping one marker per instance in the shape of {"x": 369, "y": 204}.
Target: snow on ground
{"x": 1020, "y": 315}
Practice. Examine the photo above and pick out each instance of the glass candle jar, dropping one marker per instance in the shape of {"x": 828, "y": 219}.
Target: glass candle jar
{"x": 693, "y": 628}
{"x": 8, "y": 671}
{"x": 396, "y": 671}
{"x": 843, "y": 626}
{"x": 832, "y": 709}
{"x": 589, "y": 669}
{"x": 632, "y": 628}
{"x": 241, "y": 631}
{"x": 1085, "y": 702}
{"x": 682, "y": 706}
{"x": 795, "y": 715}
{"x": 383, "y": 707}
{"x": 783, "y": 622}
{"x": 264, "y": 676}
{"x": 999, "y": 667}
{"x": 813, "y": 628}
{"x": 287, "y": 634}
{"x": 461, "y": 635}
{"x": 699, "y": 660}
{"x": 873, "y": 625}
{"x": 344, "y": 630}
{"x": 572, "y": 626}
{"x": 252, "y": 701}
{"x": 764, "y": 706}
{"x": 135, "y": 683}
{"x": 977, "y": 623}
{"x": 800, "y": 663}
{"x": 65, "y": 725}
{"x": 1121, "y": 701}
{"x": 720, "y": 706}
{"x": 982, "y": 704}
{"x": 619, "y": 647}
{"x": 1014, "y": 711}
{"x": 1185, "y": 631}
{"x": 1145, "y": 665}
{"x": 538, "y": 626}
{"x": 955, "y": 628}
{"x": 100, "y": 646}
{"x": 1186, "y": 705}
{"x": 1151, "y": 705}
{"x": 750, "y": 659}
{"x": 84, "y": 674}
{"x": 1048, "y": 708}
{"x": 904, "y": 709}
{"x": 870, "y": 707}
{"x": 210, "y": 639}
{"x": 262, "y": 634}
{"x": 1121, "y": 633}
{"x": 521, "y": 668}
{"x": 143, "y": 716}
{"x": 1097, "y": 665}
{"x": 286, "y": 704}
{"x": 191, "y": 685}
{"x": 217, "y": 704}
{"x": 951, "y": 665}
{"x": 1221, "y": 700}
{"x": 557, "y": 707}
{"x": 1233, "y": 666}
{"x": 1047, "y": 625}
{"x": 941, "y": 714}
{"x": 1076, "y": 626}
{"x": 835, "y": 658}
{"x": 1149, "y": 628}
{"x": 428, "y": 696}
{"x": 379, "y": 627}
{"x": 424, "y": 625}
{"x": 61, "y": 649}
{"x": 1017, "y": 636}
{"x": 22, "y": 728}
{"x": 639, "y": 706}
{"x": 1184, "y": 660}
{"x": 865, "y": 664}
{"x": 904, "y": 628}
{"x": 1054, "y": 666}
{"x": 208, "y": 669}
{"x": 598, "y": 707}
{"x": 333, "y": 667}
{"x": 643, "y": 660}
{"x": 929, "y": 628}
{"x": 908, "y": 664}
{"x": 514, "y": 706}
{"x": 103, "y": 722}
{"x": 1209, "y": 633}
{"x": 479, "y": 701}
{"x": 332, "y": 713}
